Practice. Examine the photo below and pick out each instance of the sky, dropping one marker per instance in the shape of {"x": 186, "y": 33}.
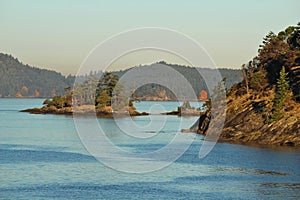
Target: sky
{"x": 60, "y": 34}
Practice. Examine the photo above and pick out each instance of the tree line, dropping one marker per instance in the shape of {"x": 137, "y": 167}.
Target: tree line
{"x": 20, "y": 80}
{"x": 275, "y": 68}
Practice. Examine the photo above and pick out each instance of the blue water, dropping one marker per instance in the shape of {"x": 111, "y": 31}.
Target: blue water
{"x": 42, "y": 157}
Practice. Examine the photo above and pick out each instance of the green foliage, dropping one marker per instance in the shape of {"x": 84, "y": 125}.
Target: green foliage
{"x": 48, "y": 102}
{"x": 276, "y": 51}
{"x": 279, "y": 50}
{"x": 101, "y": 92}
{"x": 103, "y": 100}
{"x": 258, "y": 80}
{"x": 57, "y": 101}
{"x": 60, "y": 101}
{"x": 282, "y": 94}
{"x": 105, "y": 88}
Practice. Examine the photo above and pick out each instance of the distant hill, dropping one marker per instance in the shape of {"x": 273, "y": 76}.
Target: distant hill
{"x": 158, "y": 92}
{"x": 152, "y": 91}
{"x": 20, "y": 80}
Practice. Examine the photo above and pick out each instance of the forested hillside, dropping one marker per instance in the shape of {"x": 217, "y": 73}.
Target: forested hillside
{"x": 265, "y": 107}
{"x": 158, "y": 92}
{"x": 191, "y": 74}
{"x": 20, "y": 80}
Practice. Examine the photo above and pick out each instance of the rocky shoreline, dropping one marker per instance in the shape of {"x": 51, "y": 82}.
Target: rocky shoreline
{"x": 245, "y": 123}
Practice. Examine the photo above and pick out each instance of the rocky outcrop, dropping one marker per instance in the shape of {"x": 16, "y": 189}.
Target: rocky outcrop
{"x": 185, "y": 110}
{"x": 191, "y": 112}
{"x": 106, "y": 112}
{"x": 49, "y": 110}
{"x": 201, "y": 125}
{"x": 246, "y": 121}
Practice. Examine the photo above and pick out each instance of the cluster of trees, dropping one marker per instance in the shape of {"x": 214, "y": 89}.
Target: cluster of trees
{"x": 276, "y": 51}
{"x": 109, "y": 92}
{"x": 84, "y": 91}
{"x": 93, "y": 91}
{"x": 19, "y": 80}
{"x": 276, "y": 67}
{"x": 60, "y": 101}
{"x": 105, "y": 90}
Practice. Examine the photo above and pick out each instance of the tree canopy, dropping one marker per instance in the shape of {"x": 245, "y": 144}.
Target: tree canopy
{"x": 276, "y": 51}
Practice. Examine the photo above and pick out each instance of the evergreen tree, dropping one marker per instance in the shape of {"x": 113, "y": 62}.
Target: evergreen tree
{"x": 106, "y": 84}
{"x": 103, "y": 99}
{"x": 282, "y": 95}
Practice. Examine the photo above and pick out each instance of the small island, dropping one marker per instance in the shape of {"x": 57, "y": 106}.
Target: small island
{"x": 187, "y": 110}
{"x": 102, "y": 99}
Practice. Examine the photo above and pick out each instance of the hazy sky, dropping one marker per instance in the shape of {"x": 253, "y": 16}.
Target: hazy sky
{"x": 59, "y": 34}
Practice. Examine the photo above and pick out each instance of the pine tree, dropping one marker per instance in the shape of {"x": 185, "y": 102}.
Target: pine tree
{"x": 103, "y": 100}
{"x": 106, "y": 84}
{"x": 282, "y": 94}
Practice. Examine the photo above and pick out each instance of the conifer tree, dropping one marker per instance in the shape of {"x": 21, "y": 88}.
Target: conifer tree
{"x": 282, "y": 94}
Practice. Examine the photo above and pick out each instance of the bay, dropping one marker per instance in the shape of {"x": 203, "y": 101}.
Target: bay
{"x": 42, "y": 157}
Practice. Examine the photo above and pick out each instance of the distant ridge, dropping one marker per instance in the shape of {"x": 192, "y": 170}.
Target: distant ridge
{"x": 159, "y": 93}
{"x": 21, "y": 80}
{"x": 154, "y": 91}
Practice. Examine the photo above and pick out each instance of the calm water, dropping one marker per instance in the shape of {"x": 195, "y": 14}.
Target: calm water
{"x": 42, "y": 157}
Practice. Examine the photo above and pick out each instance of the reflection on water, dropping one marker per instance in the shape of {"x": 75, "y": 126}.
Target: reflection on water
{"x": 42, "y": 157}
